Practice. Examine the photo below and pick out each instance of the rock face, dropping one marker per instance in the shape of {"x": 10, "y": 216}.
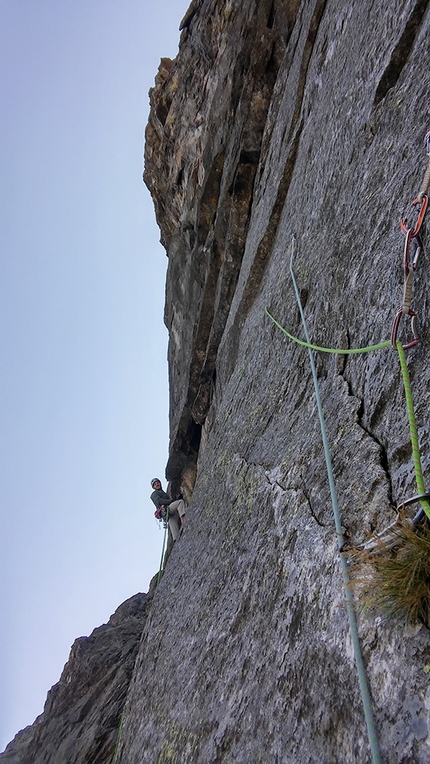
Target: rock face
{"x": 82, "y": 712}
{"x": 278, "y": 119}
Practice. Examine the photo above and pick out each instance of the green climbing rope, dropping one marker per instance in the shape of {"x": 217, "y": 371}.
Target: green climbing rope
{"x": 412, "y": 427}
{"x": 408, "y": 394}
{"x": 161, "y": 571}
{"x": 118, "y": 738}
{"x": 340, "y": 351}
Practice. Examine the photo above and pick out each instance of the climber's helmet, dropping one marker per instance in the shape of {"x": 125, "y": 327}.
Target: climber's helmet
{"x": 154, "y": 481}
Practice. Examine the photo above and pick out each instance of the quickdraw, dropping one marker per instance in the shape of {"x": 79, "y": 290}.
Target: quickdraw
{"x": 426, "y": 180}
{"x": 410, "y": 261}
{"x": 412, "y": 237}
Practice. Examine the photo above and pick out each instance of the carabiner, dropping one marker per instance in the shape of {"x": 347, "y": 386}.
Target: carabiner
{"x": 414, "y": 500}
{"x": 408, "y": 266}
{"x": 422, "y": 212}
{"x": 418, "y": 515}
{"x": 418, "y": 251}
{"x": 408, "y": 238}
{"x": 414, "y": 327}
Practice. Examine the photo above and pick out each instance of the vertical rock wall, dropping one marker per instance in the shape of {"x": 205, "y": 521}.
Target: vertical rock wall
{"x": 276, "y": 119}
{"x": 281, "y": 118}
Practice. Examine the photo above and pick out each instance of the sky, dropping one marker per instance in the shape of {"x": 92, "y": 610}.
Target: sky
{"x": 83, "y": 347}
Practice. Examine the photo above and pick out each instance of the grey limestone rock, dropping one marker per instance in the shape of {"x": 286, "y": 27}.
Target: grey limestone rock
{"x": 277, "y": 118}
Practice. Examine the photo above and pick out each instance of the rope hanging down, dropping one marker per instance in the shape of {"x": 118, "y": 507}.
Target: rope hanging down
{"x": 361, "y": 671}
{"x": 166, "y": 528}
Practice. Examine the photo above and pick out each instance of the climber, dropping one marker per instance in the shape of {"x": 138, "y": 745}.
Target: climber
{"x": 171, "y": 509}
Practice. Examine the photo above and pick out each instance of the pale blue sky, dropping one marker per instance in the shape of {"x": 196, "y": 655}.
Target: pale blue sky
{"x": 83, "y": 347}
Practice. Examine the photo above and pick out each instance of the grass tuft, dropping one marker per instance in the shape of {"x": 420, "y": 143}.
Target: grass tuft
{"x": 394, "y": 576}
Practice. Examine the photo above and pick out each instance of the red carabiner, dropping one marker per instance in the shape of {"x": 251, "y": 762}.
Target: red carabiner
{"x": 422, "y": 212}
{"x": 414, "y": 327}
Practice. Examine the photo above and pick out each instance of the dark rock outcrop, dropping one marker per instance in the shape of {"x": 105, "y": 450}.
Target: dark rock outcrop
{"x": 82, "y": 712}
{"x": 203, "y": 145}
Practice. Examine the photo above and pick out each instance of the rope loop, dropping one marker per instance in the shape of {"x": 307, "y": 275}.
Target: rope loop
{"x": 337, "y": 351}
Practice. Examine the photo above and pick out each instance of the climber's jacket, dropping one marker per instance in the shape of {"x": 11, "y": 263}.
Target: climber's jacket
{"x": 160, "y": 498}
